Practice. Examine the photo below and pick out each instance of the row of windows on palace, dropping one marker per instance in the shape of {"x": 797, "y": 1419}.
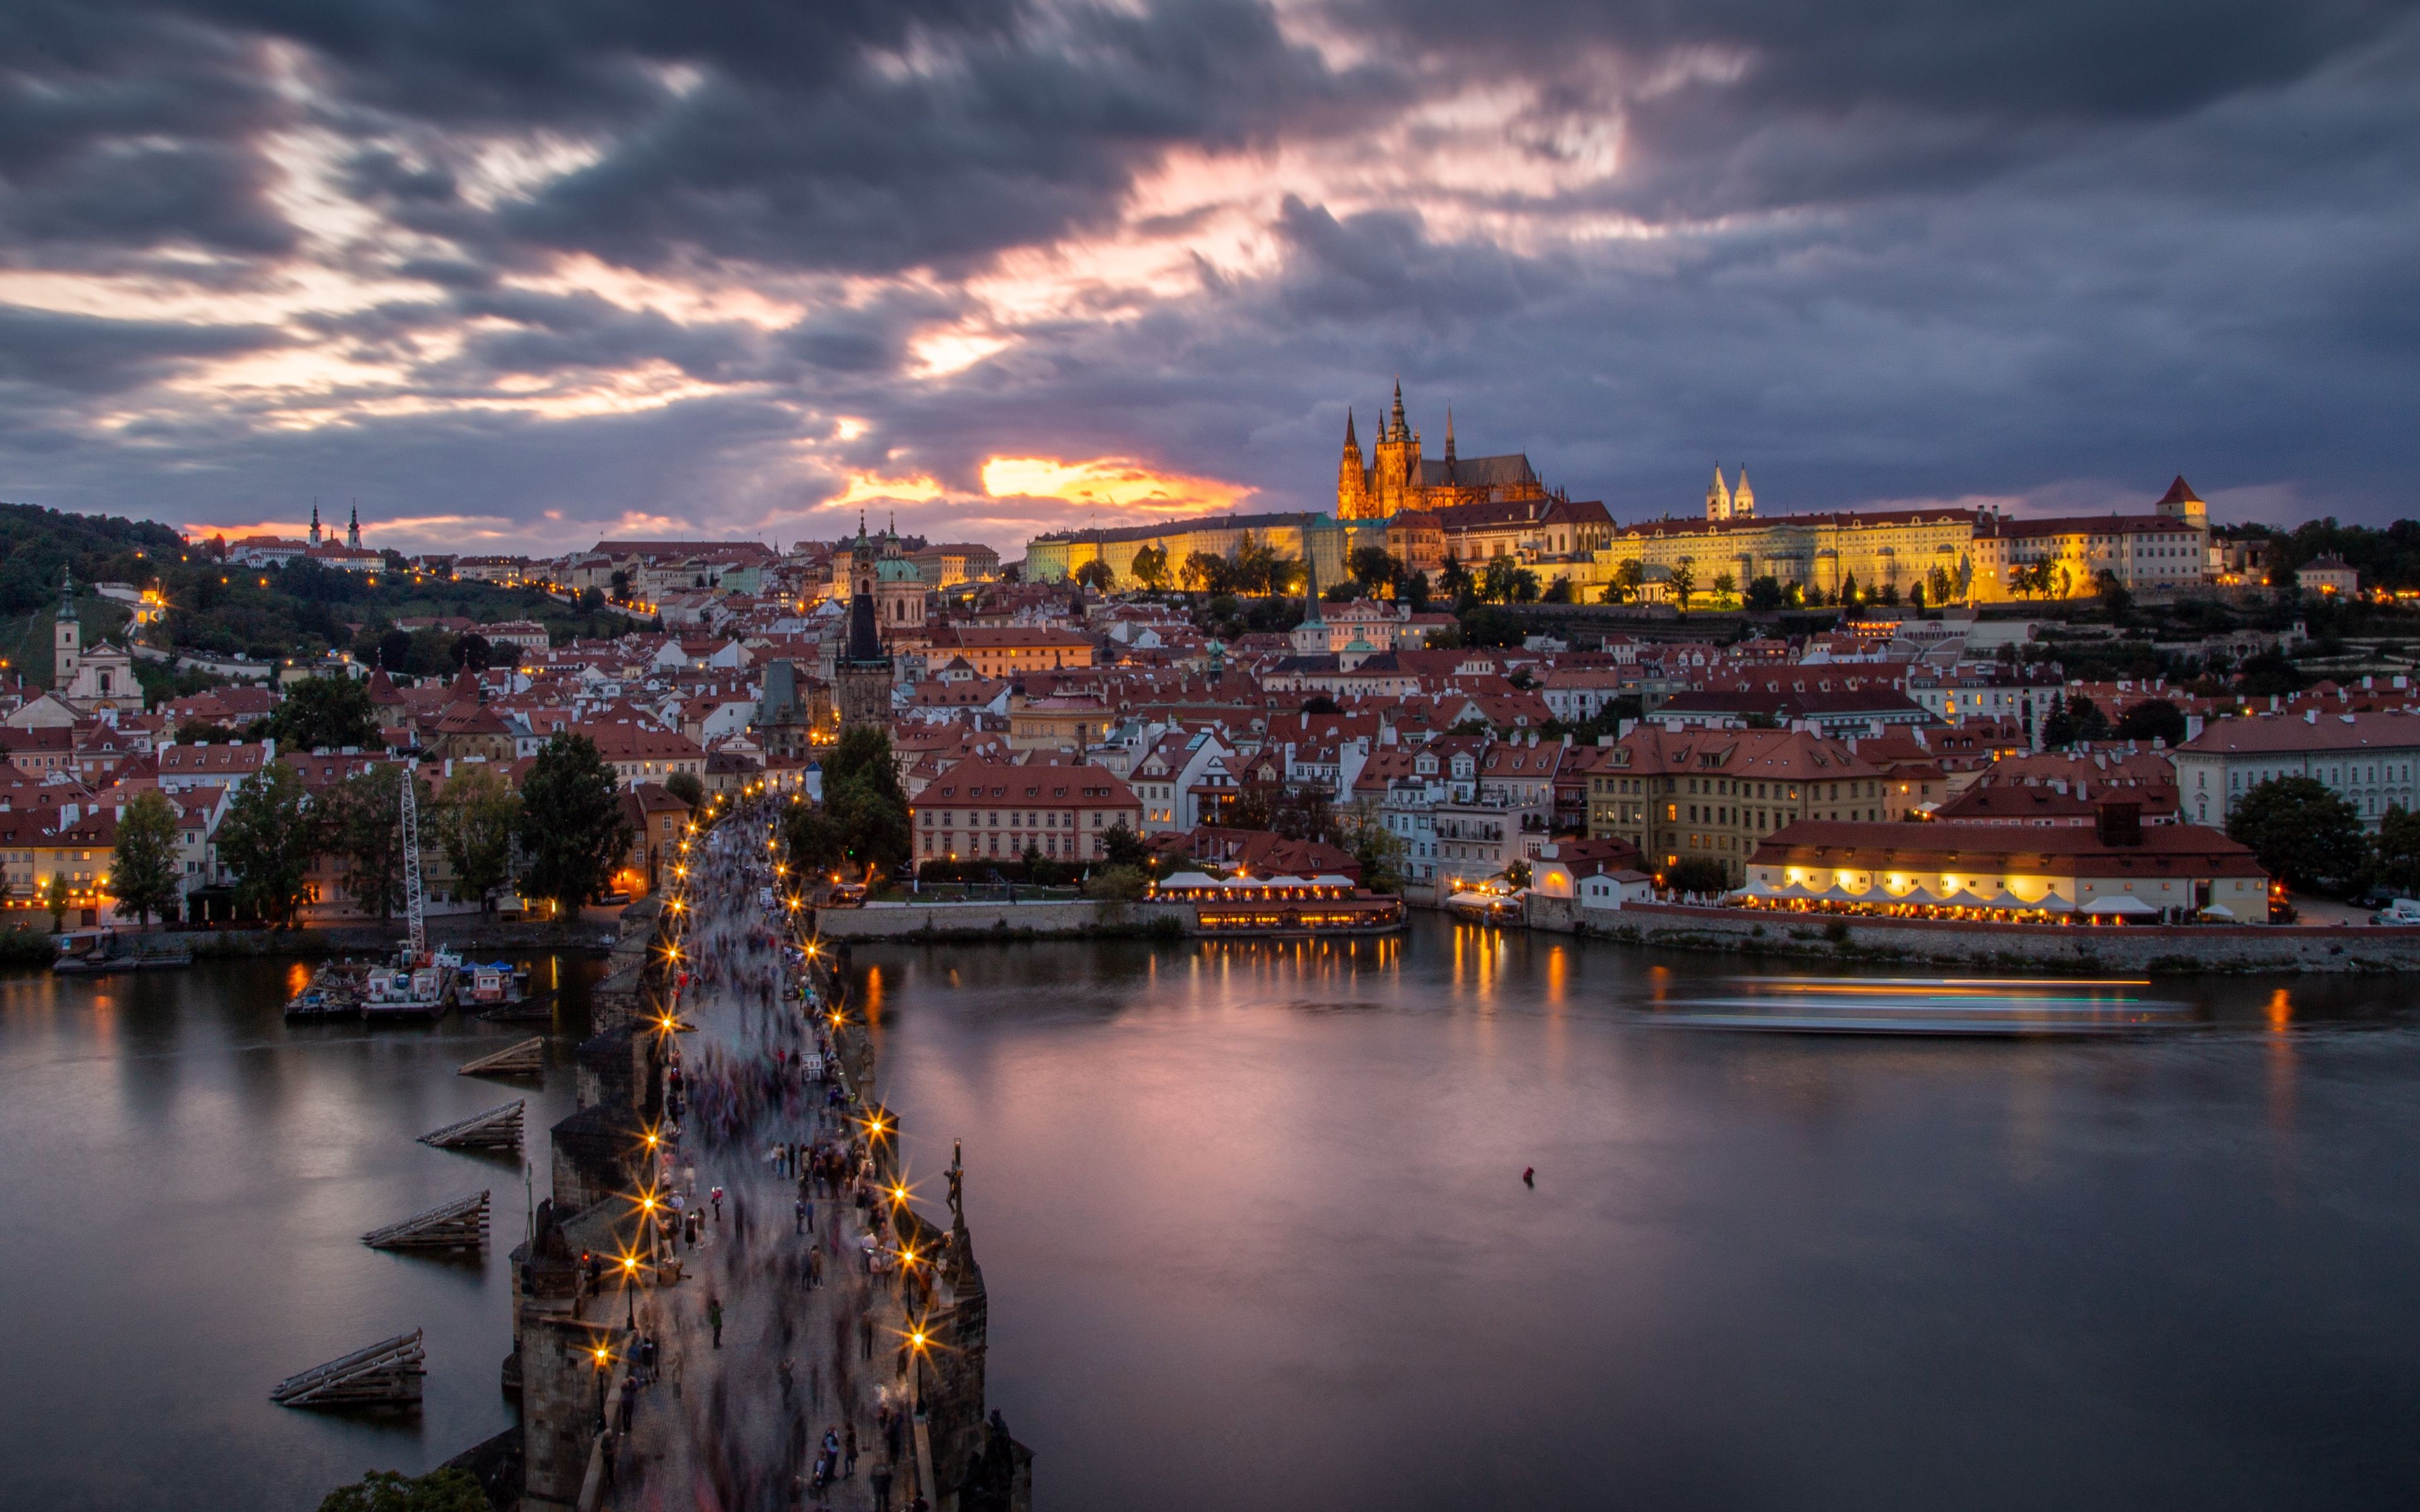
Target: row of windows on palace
{"x": 1042, "y": 828}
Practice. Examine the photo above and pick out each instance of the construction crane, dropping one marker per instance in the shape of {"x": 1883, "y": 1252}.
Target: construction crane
{"x": 419, "y": 947}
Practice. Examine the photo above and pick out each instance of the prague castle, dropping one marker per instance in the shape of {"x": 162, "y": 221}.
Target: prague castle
{"x": 1427, "y": 512}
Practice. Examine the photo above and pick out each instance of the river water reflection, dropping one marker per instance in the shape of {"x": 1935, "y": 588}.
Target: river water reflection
{"x": 1256, "y": 1236}
{"x": 186, "y": 1181}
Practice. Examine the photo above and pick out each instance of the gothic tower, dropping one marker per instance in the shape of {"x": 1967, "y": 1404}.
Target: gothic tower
{"x": 863, "y": 668}
{"x": 1351, "y": 498}
{"x": 1718, "y": 497}
{"x": 315, "y": 522}
{"x": 66, "y": 638}
{"x": 353, "y": 531}
{"x": 1743, "y": 499}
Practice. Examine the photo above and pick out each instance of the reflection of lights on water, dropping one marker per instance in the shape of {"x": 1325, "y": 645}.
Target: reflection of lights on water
{"x": 2281, "y": 1009}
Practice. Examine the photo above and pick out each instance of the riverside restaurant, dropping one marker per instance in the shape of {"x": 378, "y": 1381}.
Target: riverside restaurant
{"x": 2116, "y": 872}
{"x": 1325, "y": 905}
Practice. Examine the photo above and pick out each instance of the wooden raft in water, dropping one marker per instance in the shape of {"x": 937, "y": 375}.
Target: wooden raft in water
{"x": 499, "y": 1128}
{"x": 461, "y": 1224}
{"x": 526, "y": 1058}
{"x": 386, "y": 1374}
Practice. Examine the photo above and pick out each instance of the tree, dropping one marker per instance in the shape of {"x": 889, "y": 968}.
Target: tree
{"x": 1252, "y": 567}
{"x": 269, "y": 838}
{"x": 1697, "y": 874}
{"x": 862, "y": 821}
{"x": 395, "y": 651}
{"x": 2070, "y": 719}
{"x": 326, "y": 714}
{"x": 2267, "y": 673}
{"x": 686, "y": 787}
{"x": 1205, "y": 572}
{"x": 1378, "y": 851}
{"x": 1558, "y": 592}
{"x": 142, "y": 871}
{"x": 1151, "y": 567}
{"x": 2300, "y": 831}
{"x": 573, "y": 826}
{"x": 1725, "y": 584}
{"x": 1764, "y": 594}
{"x": 474, "y": 819}
{"x": 389, "y": 1490}
{"x": 365, "y": 827}
{"x": 1497, "y": 582}
{"x": 56, "y": 900}
{"x": 2113, "y": 596}
{"x": 1096, "y": 575}
{"x": 1916, "y": 597}
{"x": 1682, "y": 583}
{"x": 1525, "y": 586}
{"x": 1938, "y": 583}
{"x": 1123, "y": 882}
{"x": 2152, "y": 719}
{"x": 2399, "y": 852}
{"x": 472, "y": 652}
{"x": 1415, "y": 592}
{"x": 1374, "y": 568}
{"x": 1454, "y": 583}
{"x": 591, "y": 600}
{"x": 1122, "y": 846}
{"x": 1483, "y": 625}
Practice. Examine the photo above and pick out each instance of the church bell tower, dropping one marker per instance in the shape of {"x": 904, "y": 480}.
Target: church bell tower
{"x": 67, "y": 638}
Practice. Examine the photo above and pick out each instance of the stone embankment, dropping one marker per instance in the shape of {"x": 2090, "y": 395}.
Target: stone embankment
{"x": 2077, "y": 950}
{"x": 964, "y": 922}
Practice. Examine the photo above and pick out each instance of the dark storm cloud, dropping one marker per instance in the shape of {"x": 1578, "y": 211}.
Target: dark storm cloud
{"x": 1886, "y": 248}
{"x": 86, "y": 356}
{"x": 994, "y": 142}
{"x": 123, "y": 134}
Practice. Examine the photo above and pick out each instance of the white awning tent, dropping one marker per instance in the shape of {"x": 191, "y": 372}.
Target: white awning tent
{"x": 2218, "y": 911}
{"x": 2120, "y": 904}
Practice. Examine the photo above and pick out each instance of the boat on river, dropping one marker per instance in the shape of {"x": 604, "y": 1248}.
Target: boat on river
{"x": 96, "y": 953}
{"x": 412, "y": 987}
{"x": 1947, "y": 1006}
{"x": 420, "y": 982}
{"x": 334, "y": 990}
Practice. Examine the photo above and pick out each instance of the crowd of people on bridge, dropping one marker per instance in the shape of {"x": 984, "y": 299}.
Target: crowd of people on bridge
{"x": 757, "y": 1096}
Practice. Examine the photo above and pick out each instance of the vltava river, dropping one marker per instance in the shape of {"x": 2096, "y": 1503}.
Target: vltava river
{"x": 1256, "y": 1236}
{"x": 1253, "y": 1225}
{"x": 187, "y": 1178}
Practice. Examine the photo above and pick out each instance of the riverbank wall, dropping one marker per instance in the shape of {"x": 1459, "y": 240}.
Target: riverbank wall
{"x": 2080, "y": 950}
{"x": 965, "y": 922}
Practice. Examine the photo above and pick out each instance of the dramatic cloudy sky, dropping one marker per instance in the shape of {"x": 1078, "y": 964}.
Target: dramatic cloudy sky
{"x": 518, "y": 273}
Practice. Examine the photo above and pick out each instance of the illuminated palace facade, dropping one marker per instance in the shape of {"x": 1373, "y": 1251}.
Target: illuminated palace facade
{"x": 1424, "y": 510}
{"x": 1956, "y": 555}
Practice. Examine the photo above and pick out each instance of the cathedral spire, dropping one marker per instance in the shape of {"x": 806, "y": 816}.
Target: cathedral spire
{"x": 1449, "y": 433}
{"x": 353, "y": 531}
{"x": 1401, "y": 430}
{"x": 1352, "y": 443}
{"x": 315, "y": 522}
